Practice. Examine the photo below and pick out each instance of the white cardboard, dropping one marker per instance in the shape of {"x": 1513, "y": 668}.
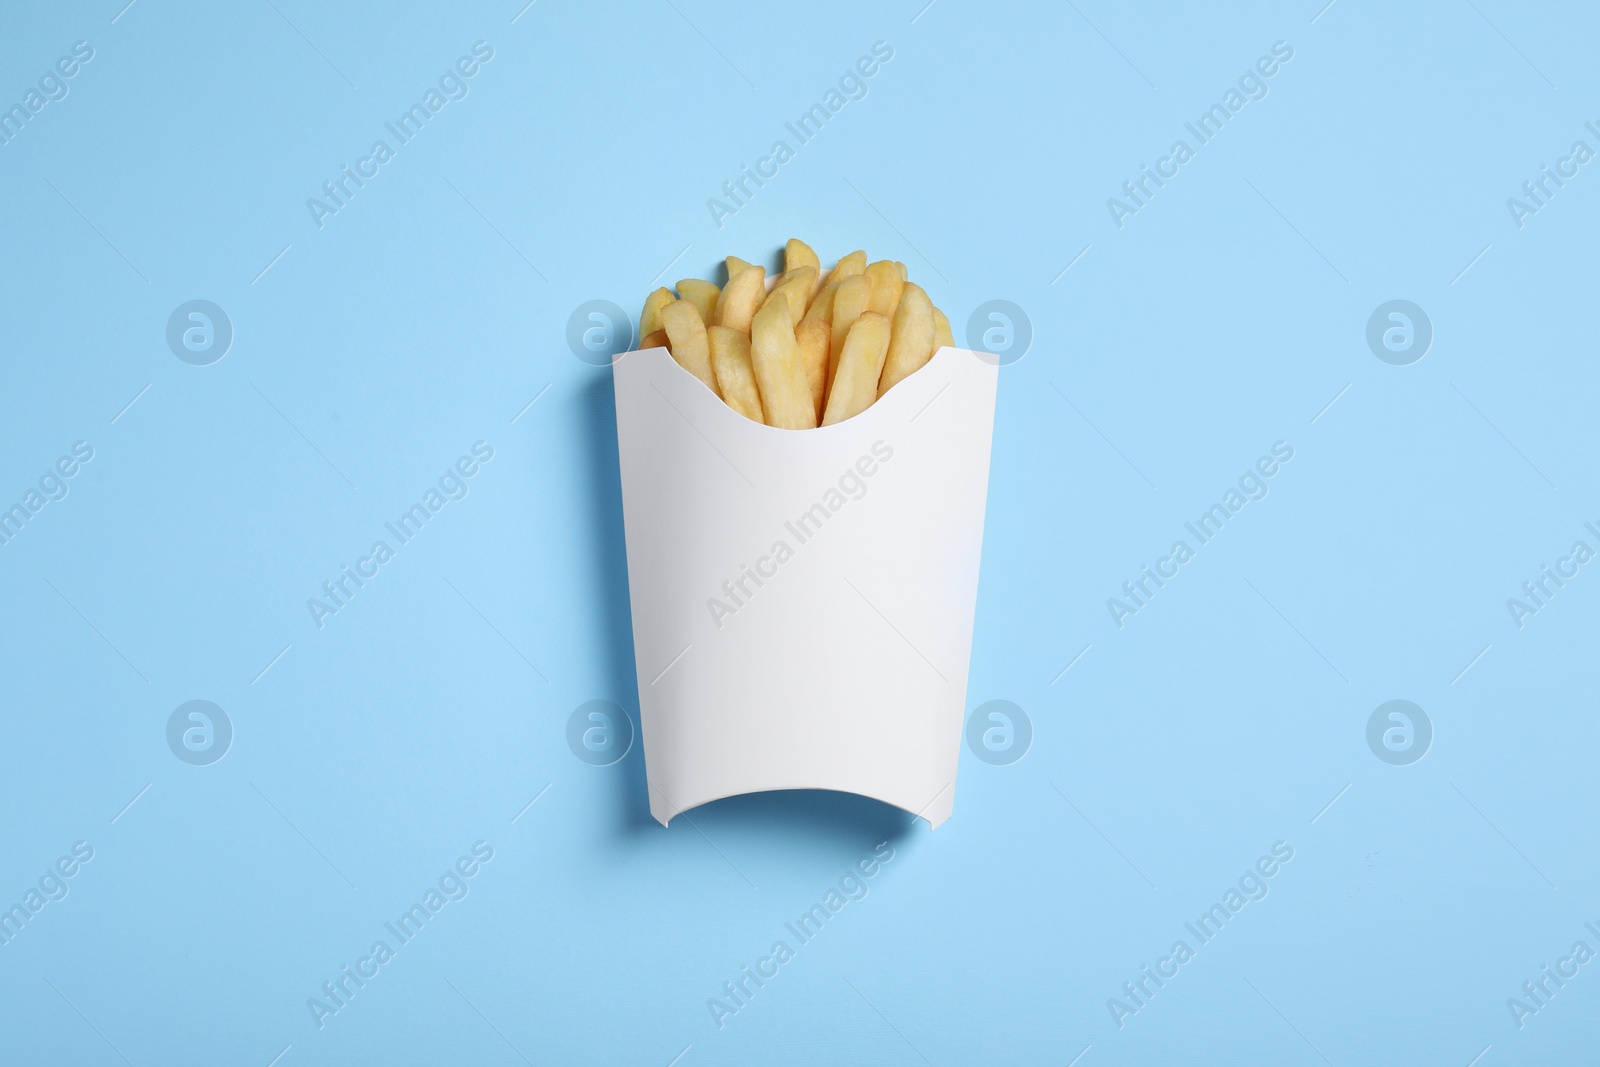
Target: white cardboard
{"x": 846, "y": 668}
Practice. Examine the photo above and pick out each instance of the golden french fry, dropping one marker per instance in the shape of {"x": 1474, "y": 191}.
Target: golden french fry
{"x": 942, "y": 337}
{"x": 785, "y": 393}
{"x": 887, "y": 283}
{"x": 854, "y": 263}
{"x": 903, "y": 275}
{"x": 740, "y": 298}
{"x": 701, "y": 294}
{"x": 797, "y": 254}
{"x": 849, "y": 301}
{"x": 650, "y": 317}
{"x": 855, "y": 386}
{"x": 911, "y": 338}
{"x": 812, "y": 337}
{"x": 795, "y": 291}
{"x": 822, "y": 307}
{"x": 735, "y": 265}
{"x": 687, "y": 332}
{"x": 730, "y": 362}
{"x": 654, "y": 339}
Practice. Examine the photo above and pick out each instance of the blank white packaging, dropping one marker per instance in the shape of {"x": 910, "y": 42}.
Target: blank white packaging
{"x": 803, "y": 600}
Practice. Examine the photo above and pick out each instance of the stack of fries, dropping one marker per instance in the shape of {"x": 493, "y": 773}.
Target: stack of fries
{"x": 814, "y": 351}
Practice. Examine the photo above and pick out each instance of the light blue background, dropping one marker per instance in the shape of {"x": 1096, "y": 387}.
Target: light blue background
{"x": 1224, "y": 717}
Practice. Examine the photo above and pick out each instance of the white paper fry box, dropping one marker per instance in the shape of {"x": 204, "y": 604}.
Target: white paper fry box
{"x": 803, "y": 600}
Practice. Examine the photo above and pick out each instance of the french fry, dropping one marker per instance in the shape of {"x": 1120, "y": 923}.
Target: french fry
{"x": 735, "y": 265}
{"x": 795, "y": 291}
{"x": 650, "y": 317}
{"x": 855, "y": 385}
{"x": 822, "y": 307}
{"x": 730, "y": 362}
{"x": 740, "y": 298}
{"x": 887, "y": 282}
{"x": 701, "y": 294}
{"x": 797, "y": 254}
{"x": 687, "y": 332}
{"x": 654, "y": 339}
{"x": 942, "y": 338}
{"x": 854, "y": 263}
{"x": 849, "y": 301}
{"x": 785, "y": 393}
{"x": 812, "y": 338}
{"x": 911, "y": 337}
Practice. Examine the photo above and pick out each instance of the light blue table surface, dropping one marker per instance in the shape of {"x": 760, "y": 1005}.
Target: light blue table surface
{"x": 1431, "y": 880}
